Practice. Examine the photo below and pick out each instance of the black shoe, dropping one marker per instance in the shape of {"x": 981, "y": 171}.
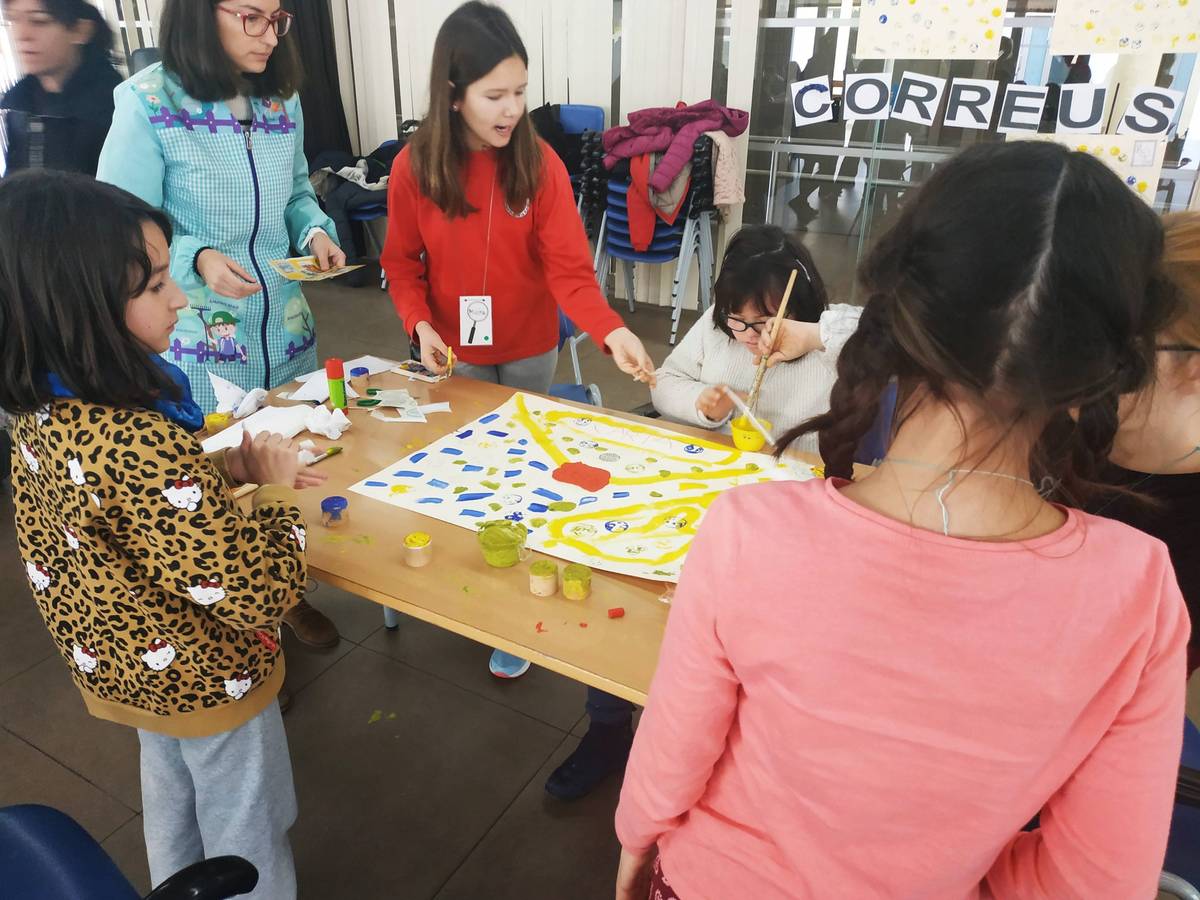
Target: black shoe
{"x": 804, "y": 212}
{"x": 603, "y": 751}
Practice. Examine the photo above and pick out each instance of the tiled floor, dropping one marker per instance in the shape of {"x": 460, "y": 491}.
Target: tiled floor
{"x": 440, "y": 797}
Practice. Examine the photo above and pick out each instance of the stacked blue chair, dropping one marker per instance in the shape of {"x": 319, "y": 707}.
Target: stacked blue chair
{"x": 578, "y": 391}
{"x": 690, "y": 237}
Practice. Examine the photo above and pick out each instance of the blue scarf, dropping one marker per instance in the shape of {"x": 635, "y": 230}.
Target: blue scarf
{"x": 185, "y": 412}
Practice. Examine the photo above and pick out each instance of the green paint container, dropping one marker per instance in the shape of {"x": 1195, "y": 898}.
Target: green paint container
{"x": 576, "y": 581}
{"x": 502, "y": 543}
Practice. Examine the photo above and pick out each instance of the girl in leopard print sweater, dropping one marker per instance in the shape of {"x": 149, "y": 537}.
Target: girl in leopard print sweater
{"x": 163, "y": 597}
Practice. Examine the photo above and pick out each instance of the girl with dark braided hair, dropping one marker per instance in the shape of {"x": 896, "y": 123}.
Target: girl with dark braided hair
{"x": 869, "y": 688}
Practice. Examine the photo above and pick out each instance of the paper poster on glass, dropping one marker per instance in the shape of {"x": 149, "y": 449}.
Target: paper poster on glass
{"x": 1125, "y": 26}
{"x": 930, "y": 29}
{"x": 1136, "y": 159}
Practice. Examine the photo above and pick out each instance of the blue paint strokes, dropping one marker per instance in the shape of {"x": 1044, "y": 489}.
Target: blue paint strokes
{"x": 620, "y": 494}
{"x": 430, "y": 500}
{"x": 464, "y": 498}
{"x": 407, "y": 473}
{"x": 523, "y": 442}
{"x": 376, "y": 484}
{"x": 498, "y": 433}
{"x": 538, "y": 507}
{"x": 438, "y": 483}
{"x": 516, "y": 451}
{"x": 417, "y": 457}
{"x": 452, "y": 451}
{"x": 511, "y": 473}
{"x": 491, "y": 417}
{"x": 469, "y": 468}
{"x": 549, "y": 495}
{"x": 474, "y": 513}
{"x": 586, "y": 500}
{"x": 463, "y": 435}
{"x": 538, "y": 465}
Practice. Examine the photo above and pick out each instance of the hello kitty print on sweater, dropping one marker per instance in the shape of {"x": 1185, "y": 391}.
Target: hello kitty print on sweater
{"x": 157, "y": 588}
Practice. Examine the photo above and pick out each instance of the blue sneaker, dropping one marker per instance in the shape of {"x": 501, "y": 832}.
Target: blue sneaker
{"x": 505, "y": 665}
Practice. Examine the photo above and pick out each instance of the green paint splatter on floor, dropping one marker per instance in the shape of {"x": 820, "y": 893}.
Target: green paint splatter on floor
{"x": 375, "y": 717}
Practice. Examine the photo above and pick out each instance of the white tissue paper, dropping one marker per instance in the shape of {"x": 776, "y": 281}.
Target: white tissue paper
{"x": 228, "y": 394}
{"x": 251, "y": 403}
{"x": 325, "y": 423}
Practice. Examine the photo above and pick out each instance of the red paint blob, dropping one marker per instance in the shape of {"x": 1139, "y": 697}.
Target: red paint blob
{"x": 582, "y": 475}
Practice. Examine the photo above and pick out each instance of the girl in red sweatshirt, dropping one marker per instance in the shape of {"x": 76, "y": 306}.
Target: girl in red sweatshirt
{"x": 484, "y": 241}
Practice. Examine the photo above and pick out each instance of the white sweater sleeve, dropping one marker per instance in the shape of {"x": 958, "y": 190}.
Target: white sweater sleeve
{"x": 679, "y": 383}
{"x": 837, "y": 323}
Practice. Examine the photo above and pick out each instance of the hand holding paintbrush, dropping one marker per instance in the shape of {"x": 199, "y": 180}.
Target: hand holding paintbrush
{"x": 773, "y": 333}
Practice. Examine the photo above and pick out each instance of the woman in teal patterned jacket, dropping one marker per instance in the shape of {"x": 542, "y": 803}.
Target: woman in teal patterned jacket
{"x": 214, "y": 136}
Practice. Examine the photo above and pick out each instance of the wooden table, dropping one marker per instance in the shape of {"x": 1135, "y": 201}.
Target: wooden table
{"x": 458, "y": 591}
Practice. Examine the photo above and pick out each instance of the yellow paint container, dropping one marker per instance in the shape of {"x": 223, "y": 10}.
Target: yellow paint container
{"x": 746, "y": 436}
{"x": 418, "y": 549}
{"x": 214, "y": 422}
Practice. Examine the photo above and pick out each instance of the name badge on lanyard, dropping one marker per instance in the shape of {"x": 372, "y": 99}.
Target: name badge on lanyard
{"x": 475, "y": 320}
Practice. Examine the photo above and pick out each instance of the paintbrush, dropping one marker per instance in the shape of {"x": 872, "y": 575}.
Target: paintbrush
{"x": 750, "y": 417}
{"x": 332, "y": 451}
{"x": 762, "y": 363}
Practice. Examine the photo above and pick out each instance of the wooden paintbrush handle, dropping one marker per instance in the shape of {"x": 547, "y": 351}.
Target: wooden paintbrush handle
{"x": 762, "y": 363}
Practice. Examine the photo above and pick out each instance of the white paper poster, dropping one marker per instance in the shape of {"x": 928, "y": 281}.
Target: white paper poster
{"x": 614, "y": 494}
{"x": 930, "y": 29}
{"x": 1125, "y": 26}
{"x": 1138, "y": 160}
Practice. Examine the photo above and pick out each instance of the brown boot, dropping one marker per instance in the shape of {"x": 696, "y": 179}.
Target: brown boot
{"x": 311, "y": 626}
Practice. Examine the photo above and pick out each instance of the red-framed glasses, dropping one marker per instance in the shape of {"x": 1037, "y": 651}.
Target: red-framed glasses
{"x": 256, "y": 24}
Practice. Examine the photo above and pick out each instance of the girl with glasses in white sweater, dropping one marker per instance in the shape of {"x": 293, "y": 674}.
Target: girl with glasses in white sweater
{"x": 722, "y": 349}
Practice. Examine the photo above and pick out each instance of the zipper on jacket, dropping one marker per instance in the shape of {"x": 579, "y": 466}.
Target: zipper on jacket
{"x": 254, "y": 262}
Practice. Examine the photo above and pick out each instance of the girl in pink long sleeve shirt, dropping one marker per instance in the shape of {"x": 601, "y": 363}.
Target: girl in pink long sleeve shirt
{"x": 867, "y": 689}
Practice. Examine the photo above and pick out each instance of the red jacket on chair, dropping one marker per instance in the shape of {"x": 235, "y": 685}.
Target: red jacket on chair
{"x": 673, "y": 130}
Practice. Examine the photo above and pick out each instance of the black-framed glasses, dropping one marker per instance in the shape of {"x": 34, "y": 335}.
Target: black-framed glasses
{"x": 256, "y": 24}
{"x": 740, "y": 325}
{"x": 1177, "y": 348}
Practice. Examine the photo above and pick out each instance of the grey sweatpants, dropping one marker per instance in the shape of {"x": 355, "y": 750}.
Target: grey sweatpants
{"x": 228, "y": 794}
{"x": 534, "y": 373}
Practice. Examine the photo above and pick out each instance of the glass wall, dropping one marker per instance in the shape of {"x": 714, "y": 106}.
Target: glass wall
{"x": 842, "y": 182}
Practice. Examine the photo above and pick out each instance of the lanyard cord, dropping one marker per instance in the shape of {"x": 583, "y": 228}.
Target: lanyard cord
{"x": 487, "y": 250}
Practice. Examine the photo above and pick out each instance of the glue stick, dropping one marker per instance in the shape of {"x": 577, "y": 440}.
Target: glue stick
{"x": 337, "y": 382}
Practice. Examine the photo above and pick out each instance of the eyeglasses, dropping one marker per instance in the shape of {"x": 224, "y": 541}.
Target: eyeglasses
{"x": 1177, "y": 348}
{"x": 256, "y": 24}
{"x": 740, "y": 325}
